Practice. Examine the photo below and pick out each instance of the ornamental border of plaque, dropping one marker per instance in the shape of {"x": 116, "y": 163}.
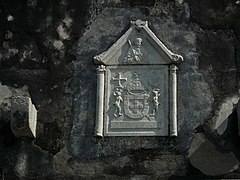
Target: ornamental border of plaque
{"x": 104, "y": 59}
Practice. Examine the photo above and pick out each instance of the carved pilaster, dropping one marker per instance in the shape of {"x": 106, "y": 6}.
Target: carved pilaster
{"x": 100, "y": 100}
{"x": 173, "y": 100}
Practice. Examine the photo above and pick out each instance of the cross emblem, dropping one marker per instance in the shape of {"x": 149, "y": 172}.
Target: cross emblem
{"x": 119, "y": 78}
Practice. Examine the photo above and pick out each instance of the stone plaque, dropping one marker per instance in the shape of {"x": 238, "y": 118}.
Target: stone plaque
{"x": 137, "y": 85}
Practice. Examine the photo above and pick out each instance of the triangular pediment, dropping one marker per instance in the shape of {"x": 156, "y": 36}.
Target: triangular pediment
{"x": 139, "y": 45}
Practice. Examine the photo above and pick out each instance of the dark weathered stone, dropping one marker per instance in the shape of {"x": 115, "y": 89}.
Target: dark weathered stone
{"x": 46, "y": 51}
{"x": 204, "y": 156}
{"x": 4, "y": 92}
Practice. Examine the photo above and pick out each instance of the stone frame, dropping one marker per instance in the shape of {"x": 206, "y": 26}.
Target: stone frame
{"x": 110, "y": 59}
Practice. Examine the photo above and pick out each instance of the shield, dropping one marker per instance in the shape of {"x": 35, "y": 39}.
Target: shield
{"x": 136, "y": 106}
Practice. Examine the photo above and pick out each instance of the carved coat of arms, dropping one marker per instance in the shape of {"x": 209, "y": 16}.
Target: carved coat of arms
{"x": 135, "y": 100}
{"x": 137, "y": 86}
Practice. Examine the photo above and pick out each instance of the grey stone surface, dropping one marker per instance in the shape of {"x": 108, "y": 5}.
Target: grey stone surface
{"x": 47, "y": 46}
{"x": 5, "y": 92}
{"x": 221, "y": 128}
{"x": 238, "y": 116}
{"x": 23, "y": 117}
{"x": 220, "y": 120}
{"x": 140, "y": 83}
{"x": 204, "y": 156}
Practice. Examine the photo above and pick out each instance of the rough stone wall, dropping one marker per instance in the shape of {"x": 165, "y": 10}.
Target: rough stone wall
{"x": 46, "y": 51}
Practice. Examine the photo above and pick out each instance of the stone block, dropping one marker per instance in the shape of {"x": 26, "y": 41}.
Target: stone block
{"x": 23, "y": 117}
{"x": 220, "y": 120}
{"x": 204, "y": 156}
